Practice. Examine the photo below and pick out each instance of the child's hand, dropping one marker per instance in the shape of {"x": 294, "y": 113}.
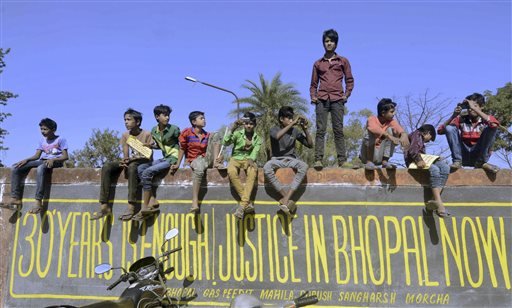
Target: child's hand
{"x": 174, "y": 168}
{"x": 421, "y": 164}
{"x": 251, "y": 163}
{"x": 49, "y": 163}
{"x": 219, "y": 159}
{"x": 20, "y": 163}
{"x": 344, "y": 99}
{"x": 473, "y": 105}
{"x": 404, "y": 141}
{"x": 394, "y": 139}
{"x": 457, "y": 110}
{"x": 125, "y": 162}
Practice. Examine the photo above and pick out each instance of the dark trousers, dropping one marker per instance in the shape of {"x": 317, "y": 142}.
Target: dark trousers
{"x": 42, "y": 178}
{"x": 111, "y": 170}
{"x": 337, "y": 110}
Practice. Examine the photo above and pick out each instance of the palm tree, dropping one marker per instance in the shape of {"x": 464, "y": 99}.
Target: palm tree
{"x": 265, "y": 101}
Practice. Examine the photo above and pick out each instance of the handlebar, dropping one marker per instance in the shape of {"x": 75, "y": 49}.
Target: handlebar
{"x": 305, "y": 301}
{"x": 118, "y": 281}
{"x": 165, "y": 254}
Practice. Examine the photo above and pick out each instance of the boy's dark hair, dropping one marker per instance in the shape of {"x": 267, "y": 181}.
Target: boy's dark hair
{"x": 285, "y": 112}
{"x": 49, "y": 123}
{"x": 477, "y": 97}
{"x": 251, "y": 116}
{"x": 332, "y": 34}
{"x": 137, "y": 116}
{"x": 385, "y": 105}
{"x": 193, "y": 115}
{"x": 162, "y": 109}
{"x": 427, "y": 128}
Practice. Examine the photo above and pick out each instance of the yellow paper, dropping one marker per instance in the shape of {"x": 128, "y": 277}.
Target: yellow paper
{"x": 135, "y": 144}
{"x": 427, "y": 158}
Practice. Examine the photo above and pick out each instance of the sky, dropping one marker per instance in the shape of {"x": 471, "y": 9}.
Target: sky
{"x": 83, "y": 63}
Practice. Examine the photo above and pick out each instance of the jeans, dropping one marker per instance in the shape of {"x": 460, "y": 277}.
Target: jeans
{"x": 19, "y": 174}
{"x": 147, "y": 171}
{"x": 111, "y": 169}
{"x": 201, "y": 163}
{"x": 386, "y": 148}
{"x": 269, "y": 169}
{"x": 251, "y": 173}
{"x": 469, "y": 155}
{"x": 439, "y": 172}
{"x": 337, "y": 110}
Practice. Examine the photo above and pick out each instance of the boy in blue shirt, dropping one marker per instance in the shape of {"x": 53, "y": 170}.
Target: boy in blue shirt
{"x": 165, "y": 137}
{"x": 51, "y": 153}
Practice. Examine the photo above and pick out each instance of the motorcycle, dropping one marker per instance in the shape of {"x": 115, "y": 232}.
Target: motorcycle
{"x": 146, "y": 276}
{"x": 251, "y": 301}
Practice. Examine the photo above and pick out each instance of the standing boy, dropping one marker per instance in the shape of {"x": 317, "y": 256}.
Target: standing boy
{"x": 200, "y": 149}
{"x": 246, "y": 145}
{"x": 381, "y": 135}
{"x": 51, "y": 153}
{"x": 165, "y": 137}
{"x": 132, "y": 157}
{"x": 471, "y": 133}
{"x": 282, "y": 142}
{"x": 327, "y": 95}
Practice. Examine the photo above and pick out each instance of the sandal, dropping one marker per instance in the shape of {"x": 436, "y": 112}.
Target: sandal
{"x": 432, "y": 205}
{"x": 249, "y": 208}
{"x": 11, "y": 206}
{"x": 149, "y": 210}
{"x": 456, "y": 165}
{"x": 292, "y": 205}
{"x": 36, "y": 210}
{"x": 239, "y": 213}
{"x": 489, "y": 168}
{"x": 194, "y": 209}
{"x": 140, "y": 216}
{"x": 285, "y": 209}
{"x": 442, "y": 214}
{"x": 102, "y": 213}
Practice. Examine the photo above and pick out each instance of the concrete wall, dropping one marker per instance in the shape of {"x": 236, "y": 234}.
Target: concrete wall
{"x": 358, "y": 239}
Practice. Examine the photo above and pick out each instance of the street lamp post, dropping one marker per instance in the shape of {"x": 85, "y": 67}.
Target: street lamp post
{"x": 192, "y": 79}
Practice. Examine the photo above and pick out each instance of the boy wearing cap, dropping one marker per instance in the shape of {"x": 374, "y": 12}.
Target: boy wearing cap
{"x": 382, "y": 133}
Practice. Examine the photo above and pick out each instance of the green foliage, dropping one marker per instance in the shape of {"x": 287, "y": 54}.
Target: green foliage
{"x": 265, "y": 101}
{"x": 353, "y": 131}
{"x": 4, "y": 97}
{"x": 101, "y": 147}
{"x": 500, "y": 106}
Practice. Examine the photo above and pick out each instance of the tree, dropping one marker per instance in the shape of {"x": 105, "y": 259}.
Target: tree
{"x": 101, "y": 147}
{"x": 500, "y": 106}
{"x": 425, "y": 108}
{"x": 353, "y": 131}
{"x": 4, "y": 97}
{"x": 265, "y": 101}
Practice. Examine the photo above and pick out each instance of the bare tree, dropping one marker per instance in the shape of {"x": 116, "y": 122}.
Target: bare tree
{"x": 425, "y": 108}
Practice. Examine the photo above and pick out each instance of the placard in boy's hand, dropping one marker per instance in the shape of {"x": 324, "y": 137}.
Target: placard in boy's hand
{"x": 135, "y": 144}
{"x": 428, "y": 159}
